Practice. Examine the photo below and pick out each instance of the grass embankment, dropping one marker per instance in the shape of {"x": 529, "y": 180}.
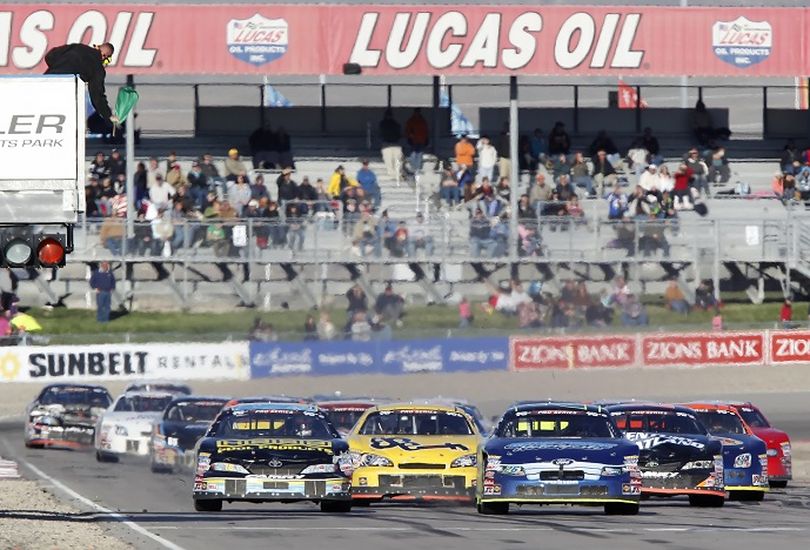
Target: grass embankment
{"x": 79, "y": 326}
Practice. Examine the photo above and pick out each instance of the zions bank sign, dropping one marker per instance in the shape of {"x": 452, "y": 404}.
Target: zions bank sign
{"x": 452, "y": 39}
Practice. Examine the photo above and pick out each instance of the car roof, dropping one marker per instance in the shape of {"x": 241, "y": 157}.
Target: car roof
{"x": 71, "y": 385}
{"x": 140, "y": 393}
{"x": 407, "y": 405}
{"x": 556, "y": 405}
{"x": 710, "y": 406}
{"x": 196, "y": 398}
{"x": 353, "y": 403}
{"x": 648, "y": 406}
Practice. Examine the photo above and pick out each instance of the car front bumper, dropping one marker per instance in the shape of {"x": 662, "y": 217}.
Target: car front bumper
{"x": 457, "y": 484}
{"x": 269, "y": 489}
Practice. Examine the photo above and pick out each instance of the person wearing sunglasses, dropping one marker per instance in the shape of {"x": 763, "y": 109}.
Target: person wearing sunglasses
{"x": 88, "y": 62}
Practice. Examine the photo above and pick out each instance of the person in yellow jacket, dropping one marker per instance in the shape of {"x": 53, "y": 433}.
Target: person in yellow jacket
{"x": 338, "y": 182}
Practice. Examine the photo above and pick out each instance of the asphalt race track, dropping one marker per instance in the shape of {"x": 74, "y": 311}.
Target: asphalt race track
{"x": 162, "y": 505}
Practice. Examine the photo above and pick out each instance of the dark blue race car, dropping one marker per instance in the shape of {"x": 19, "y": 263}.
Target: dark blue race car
{"x": 557, "y": 453}
{"x": 175, "y": 435}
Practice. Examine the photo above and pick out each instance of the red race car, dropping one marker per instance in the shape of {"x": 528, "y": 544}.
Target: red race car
{"x": 777, "y": 441}
{"x": 344, "y": 413}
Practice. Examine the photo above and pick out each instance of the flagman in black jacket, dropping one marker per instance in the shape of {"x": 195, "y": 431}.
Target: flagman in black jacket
{"x": 88, "y": 62}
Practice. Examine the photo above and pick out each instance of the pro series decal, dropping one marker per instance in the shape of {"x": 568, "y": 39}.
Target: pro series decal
{"x": 407, "y": 444}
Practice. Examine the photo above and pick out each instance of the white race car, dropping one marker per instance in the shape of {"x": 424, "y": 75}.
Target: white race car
{"x": 126, "y": 427}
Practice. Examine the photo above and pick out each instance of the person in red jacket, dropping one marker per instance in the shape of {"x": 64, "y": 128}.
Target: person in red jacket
{"x": 786, "y": 314}
{"x": 681, "y": 187}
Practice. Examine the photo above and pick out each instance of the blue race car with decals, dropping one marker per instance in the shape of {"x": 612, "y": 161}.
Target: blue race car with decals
{"x": 745, "y": 456}
{"x": 175, "y": 435}
{"x": 557, "y": 453}
{"x": 677, "y": 455}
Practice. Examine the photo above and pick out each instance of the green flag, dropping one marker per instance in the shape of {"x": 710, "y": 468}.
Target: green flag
{"x": 127, "y": 98}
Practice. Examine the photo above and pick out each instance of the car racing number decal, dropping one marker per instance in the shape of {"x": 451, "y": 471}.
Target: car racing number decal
{"x": 225, "y": 445}
{"x": 407, "y": 444}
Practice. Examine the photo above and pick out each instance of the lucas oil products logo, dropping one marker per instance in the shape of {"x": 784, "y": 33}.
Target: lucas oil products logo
{"x": 257, "y": 40}
{"x": 741, "y": 42}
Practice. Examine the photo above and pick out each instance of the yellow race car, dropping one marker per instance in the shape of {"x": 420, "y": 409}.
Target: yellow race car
{"x": 413, "y": 452}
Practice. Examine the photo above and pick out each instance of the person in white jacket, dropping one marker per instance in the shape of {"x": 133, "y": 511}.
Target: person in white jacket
{"x": 649, "y": 178}
{"x": 487, "y": 158}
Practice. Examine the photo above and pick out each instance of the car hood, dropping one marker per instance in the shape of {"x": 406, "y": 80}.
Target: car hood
{"x": 736, "y": 443}
{"x": 660, "y": 448}
{"x": 771, "y": 436}
{"x": 525, "y": 450}
{"x": 122, "y": 417}
{"x": 416, "y": 448}
{"x": 310, "y": 451}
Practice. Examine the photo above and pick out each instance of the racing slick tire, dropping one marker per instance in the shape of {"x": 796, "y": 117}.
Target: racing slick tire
{"x": 780, "y": 484}
{"x": 621, "y": 509}
{"x": 160, "y": 468}
{"x": 706, "y": 501}
{"x": 30, "y": 445}
{"x": 751, "y": 496}
{"x": 105, "y": 457}
{"x": 208, "y": 505}
{"x": 336, "y": 506}
{"x": 493, "y": 508}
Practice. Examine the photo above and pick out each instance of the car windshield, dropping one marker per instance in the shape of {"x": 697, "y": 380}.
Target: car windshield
{"x": 92, "y": 397}
{"x": 344, "y": 419}
{"x": 556, "y": 424}
{"x": 247, "y": 424}
{"x": 160, "y": 386}
{"x": 417, "y": 422}
{"x": 721, "y": 422}
{"x": 142, "y": 403}
{"x": 753, "y": 417}
{"x": 671, "y": 422}
{"x": 194, "y": 411}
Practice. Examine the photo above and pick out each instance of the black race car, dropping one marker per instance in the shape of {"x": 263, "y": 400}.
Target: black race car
{"x": 65, "y": 415}
{"x": 175, "y": 435}
{"x": 271, "y": 452}
{"x": 677, "y": 455}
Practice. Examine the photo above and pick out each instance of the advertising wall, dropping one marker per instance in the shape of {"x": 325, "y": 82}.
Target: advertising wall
{"x": 291, "y": 39}
{"x": 228, "y": 360}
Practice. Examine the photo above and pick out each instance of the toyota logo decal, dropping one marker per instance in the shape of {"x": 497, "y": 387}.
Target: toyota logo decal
{"x": 274, "y": 463}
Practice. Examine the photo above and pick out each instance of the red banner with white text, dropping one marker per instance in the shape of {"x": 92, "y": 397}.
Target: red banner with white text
{"x": 307, "y": 39}
{"x": 573, "y": 352}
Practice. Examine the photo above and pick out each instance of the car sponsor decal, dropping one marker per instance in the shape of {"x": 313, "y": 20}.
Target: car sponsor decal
{"x": 407, "y": 444}
{"x": 646, "y": 440}
{"x": 232, "y": 445}
{"x": 558, "y": 446}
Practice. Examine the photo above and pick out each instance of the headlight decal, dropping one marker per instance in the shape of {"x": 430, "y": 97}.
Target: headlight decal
{"x": 466, "y": 461}
{"x": 742, "y": 460}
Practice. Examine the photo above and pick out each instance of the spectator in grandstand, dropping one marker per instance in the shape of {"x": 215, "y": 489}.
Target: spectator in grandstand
{"x": 786, "y": 314}
{"x": 90, "y": 199}
{"x": 638, "y": 157}
{"x": 790, "y": 154}
{"x": 634, "y": 313}
{"x": 559, "y": 142}
{"x": 650, "y": 143}
{"x": 308, "y": 196}
{"x": 625, "y": 230}
{"x": 326, "y": 329}
{"x": 99, "y": 166}
{"x": 179, "y": 215}
{"x": 680, "y": 188}
{"x": 360, "y": 328}
{"x": 263, "y": 147}
{"x": 111, "y": 234}
{"x": 538, "y": 147}
{"x": 105, "y": 194}
{"x": 565, "y": 189}
{"x": 162, "y": 230}
{"x": 418, "y": 136}
{"x": 366, "y": 237}
{"x": 368, "y": 181}
{"x": 526, "y": 161}
{"x": 603, "y": 142}
{"x": 287, "y": 190}
{"x": 500, "y": 237}
{"x": 262, "y": 331}
{"x": 489, "y": 203}
{"x": 648, "y": 180}
{"x": 161, "y": 192}
{"x": 296, "y": 227}
{"x": 356, "y": 299}
{"x": 503, "y": 191}
{"x": 719, "y": 169}
{"x": 310, "y": 329}
{"x": 617, "y": 203}
{"x": 449, "y": 190}
{"x": 704, "y": 295}
{"x": 139, "y": 182}
{"x": 575, "y": 211}
{"x": 338, "y": 183}
{"x": 116, "y": 164}
{"x": 465, "y": 314}
{"x": 239, "y": 194}
{"x": 391, "y": 135}
{"x": 504, "y": 149}
{"x": 665, "y": 180}
{"x": 790, "y": 192}
{"x": 674, "y": 298}
{"x": 560, "y": 166}
{"x": 419, "y": 237}
{"x": 465, "y": 180}
{"x": 487, "y": 158}
{"x": 390, "y": 306}
{"x": 398, "y": 244}
{"x": 581, "y": 174}
{"x": 208, "y": 167}
{"x": 277, "y": 231}
{"x": 604, "y": 175}
{"x": 197, "y": 184}
{"x": 284, "y": 146}
{"x": 480, "y": 231}
{"x": 540, "y": 194}
{"x": 169, "y": 162}
{"x": 152, "y": 171}
{"x": 653, "y": 237}
{"x": 234, "y": 165}
{"x": 175, "y": 176}
{"x": 599, "y": 313}
{"x": 465, "y": 152}
{"x": 638, "y": 206}
{"x": 258, "y": 190}
{"x": 103, "y": 282}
